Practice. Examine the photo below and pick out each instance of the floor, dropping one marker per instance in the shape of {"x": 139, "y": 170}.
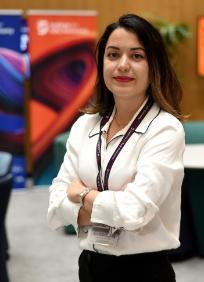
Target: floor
{"x": 38, "y": 254}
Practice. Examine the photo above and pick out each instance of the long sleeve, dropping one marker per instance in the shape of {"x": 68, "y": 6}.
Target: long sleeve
{"x": 61, "y": 210}
{"x": 159, "y": 175}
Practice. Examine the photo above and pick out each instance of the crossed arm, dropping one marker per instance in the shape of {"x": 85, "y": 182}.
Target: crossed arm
{"x": 75, "y": 187}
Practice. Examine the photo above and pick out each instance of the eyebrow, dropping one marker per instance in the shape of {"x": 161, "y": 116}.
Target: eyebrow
{"x": 132, "y": 49}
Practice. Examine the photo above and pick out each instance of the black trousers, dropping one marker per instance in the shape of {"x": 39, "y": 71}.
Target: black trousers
{"x": 148, "y": 267}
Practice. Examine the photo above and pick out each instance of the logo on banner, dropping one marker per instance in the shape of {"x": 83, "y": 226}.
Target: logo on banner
{"x": 5, "y": 30}
{"x": 42, "y": 27}
{"x": 45, "y": 27}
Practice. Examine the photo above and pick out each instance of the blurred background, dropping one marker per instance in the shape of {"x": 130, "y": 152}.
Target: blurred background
{"x": 47, "y": 73}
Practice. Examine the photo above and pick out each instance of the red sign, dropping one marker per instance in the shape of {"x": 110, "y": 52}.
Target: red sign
{"x": 200, "y": 35}
{"x": 63, "y": 71}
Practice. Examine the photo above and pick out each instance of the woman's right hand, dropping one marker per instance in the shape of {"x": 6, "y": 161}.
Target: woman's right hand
{"x": 84, "y": 218}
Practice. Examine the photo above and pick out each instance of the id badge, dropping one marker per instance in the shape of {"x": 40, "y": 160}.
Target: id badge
{"x": 101, "y": 234}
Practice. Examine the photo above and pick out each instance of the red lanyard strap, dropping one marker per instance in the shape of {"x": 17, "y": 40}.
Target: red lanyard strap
{"x": 104, "y": 186}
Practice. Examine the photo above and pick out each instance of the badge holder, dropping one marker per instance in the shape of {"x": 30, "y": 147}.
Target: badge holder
{"x": 103, "y": 235}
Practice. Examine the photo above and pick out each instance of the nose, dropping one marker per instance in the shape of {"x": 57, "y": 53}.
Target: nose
{"x": 123, "y": 64}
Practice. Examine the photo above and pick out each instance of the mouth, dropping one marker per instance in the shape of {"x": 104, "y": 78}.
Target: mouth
{"x": 123, "y": 78}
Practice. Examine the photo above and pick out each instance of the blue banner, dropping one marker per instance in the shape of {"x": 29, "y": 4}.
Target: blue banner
{"x": 10, "y": 29}
{"x": 14, "y": 68}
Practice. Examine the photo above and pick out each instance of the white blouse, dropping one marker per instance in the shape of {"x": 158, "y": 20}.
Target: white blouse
{"x": 144, "y": 184}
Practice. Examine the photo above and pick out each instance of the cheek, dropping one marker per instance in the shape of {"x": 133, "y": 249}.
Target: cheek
{"x": 147, "y": 70}
{"x": 106, "y": 74}
{"x": 144, "y": 73}
{"x": 146, "y": 77}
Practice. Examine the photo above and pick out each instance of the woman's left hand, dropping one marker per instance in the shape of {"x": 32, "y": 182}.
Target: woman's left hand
{"x": 74, "y": 189}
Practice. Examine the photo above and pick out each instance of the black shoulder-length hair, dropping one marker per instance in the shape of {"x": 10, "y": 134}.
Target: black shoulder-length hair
{"x": 164, "y": 86}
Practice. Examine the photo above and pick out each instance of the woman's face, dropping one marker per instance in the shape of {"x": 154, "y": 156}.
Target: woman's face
{"x": 126, "y": 70}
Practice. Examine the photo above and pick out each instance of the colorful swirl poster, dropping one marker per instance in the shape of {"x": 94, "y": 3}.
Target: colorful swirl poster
{"x": 63, "y": 73}
{"x": 13, "y": 69}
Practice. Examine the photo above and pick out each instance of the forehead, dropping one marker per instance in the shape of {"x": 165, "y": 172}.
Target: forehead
{"x": 121, "y": 37}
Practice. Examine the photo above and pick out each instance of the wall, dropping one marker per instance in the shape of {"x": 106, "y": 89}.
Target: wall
{"x": 176, "y": 11}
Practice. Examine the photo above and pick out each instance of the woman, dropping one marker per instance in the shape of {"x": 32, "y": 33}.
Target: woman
{"x": 120, "y": 182}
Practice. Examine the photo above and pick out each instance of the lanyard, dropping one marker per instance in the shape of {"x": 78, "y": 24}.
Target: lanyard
{"x": 104, "y": 186}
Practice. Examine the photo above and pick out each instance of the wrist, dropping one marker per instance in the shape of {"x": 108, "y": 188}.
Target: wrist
{"x": 83, "y": 194}
{"x": 89, "y": 200}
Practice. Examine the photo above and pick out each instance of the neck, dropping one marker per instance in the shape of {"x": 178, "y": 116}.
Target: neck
{"x": 125, "y": 110}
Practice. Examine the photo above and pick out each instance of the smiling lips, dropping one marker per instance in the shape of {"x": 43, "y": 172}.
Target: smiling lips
{"x": 123, "y": 78}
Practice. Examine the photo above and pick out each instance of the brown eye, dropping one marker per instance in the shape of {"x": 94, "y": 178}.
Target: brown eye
{"x": 137, "y": 56}
{"x": 112, "y": 55}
